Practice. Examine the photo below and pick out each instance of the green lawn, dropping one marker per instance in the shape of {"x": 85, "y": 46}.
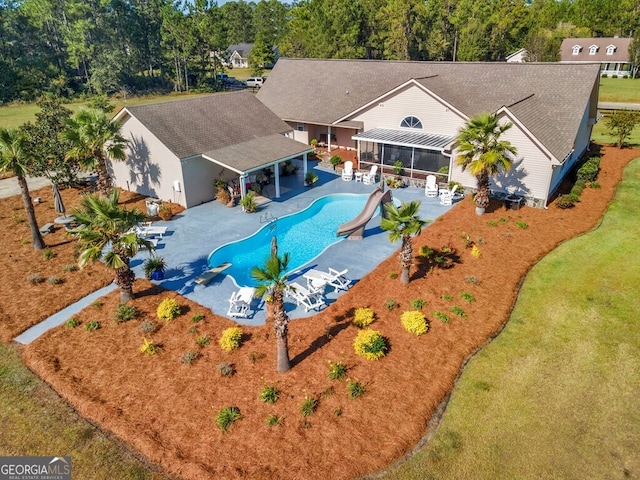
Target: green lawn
{"x": 555, "y": 395}
{"x": 619, "y": 90}
{"x": 601, "y": 135}
{"x": 35, "y": 421}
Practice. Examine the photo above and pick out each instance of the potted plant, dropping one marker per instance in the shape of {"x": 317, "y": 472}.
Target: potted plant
{"x": 248, "y": 203}
{"x": 335, "y": 160}
{"x": 314, "y": 142}
{"x": 398, "y": 167}
{"x": 310, "y": 178}
{"x": 223, "y": 195}
{"x": 154, "y": 268}
{"x": 165, "y": 213}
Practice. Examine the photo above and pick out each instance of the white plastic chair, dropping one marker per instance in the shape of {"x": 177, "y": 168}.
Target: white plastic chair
{"x": 336, "y": 279}
{"x": 370, "y": 178}
{"x": 240, "y": 302}
{"x": 431, "y": 187}
{"x": 446, "y": 196}
{"x": 347, "y": 171}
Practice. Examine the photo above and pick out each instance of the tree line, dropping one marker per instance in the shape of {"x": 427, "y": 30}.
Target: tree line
{"x": 72, "y": 47}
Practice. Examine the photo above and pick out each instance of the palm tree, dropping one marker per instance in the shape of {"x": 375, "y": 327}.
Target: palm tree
{"x": 403, "y": 222}
{"x": 94, "y": 139}
{"x": 103, "y": 223}
{"x": 273, "y": 281}
{"x": 483, "y": 153}
{"x": 13, "y": 159}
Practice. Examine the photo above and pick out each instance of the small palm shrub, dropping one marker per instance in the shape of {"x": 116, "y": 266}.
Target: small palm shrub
{"x": 458, "y": 311}
{"x": 149, "y": 347}
{"x": 337, "y": 371}
{"x": 467, "y": 296}
{"x": 72, "y": 322}
{"x": 414, "y": 322}
{"x": 125, "y": 312}
{"x": 355, "y": 389}
{"x": 231, "y": 339}
{"x": 269, "y": 394}
{"x": 442, "y": 316}
{"x": 273, "y": 420}
{"x": 92, "y": 326}
{"x": 418, "y": 303}
{"x": 370, "y": 344}
{"x": 226, "y": 416}
{"x": 168, "y": 309}
{"x": 363, "y": 317}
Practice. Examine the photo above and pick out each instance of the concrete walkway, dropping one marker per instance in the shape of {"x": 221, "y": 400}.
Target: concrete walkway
{"x": 192, "y": 235}
{"x": 618, "y": 106}
{"x": 9, "y": 186}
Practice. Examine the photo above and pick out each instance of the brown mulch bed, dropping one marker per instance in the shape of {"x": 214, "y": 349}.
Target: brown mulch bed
{"x": 166, "y": 410}
{"x": 23, "y": 303}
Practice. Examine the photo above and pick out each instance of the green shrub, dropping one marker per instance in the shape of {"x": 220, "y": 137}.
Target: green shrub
{"x": 168, "y": 309}
{"x": 414, "y": 322}
{"x": 70, "y": 267}
{"x": 35, "y": 278}
{"x": 589, "y": 170}
{"x": 231, "y": 339}
{"x": 335, "y": 160}
{"x": 249, "y": 203}
{"x": 55, "y": 280}
{"x": 203, "y": 340}
{"x": 337, "y": 371}
{"x": 226, "y": 416}
{"x": 492, "y": 223}
{"x": 193, "y": 330}
{"x": 355, "y": 389}
{"x": 92, "y": 326}
{"x": 393, "y": 275}
{"x": 197, "y": 317}
{"x": 189, "y": 357}
{"x": 363, "y": 317}
{"x": 565, "y": 201}
{"x": 442, "y": 316}
{"x": 390, "y": 304}
{"x": 522, "y": 225}
{"x": 426, "y": 252}
{"x": 308, "y": 406}
{"x": 458, "y": 311}
{"x": 467, "y": 296}
{"x": 255, "y": 356}
{"x": 48, "y": 254}
{"x": 269, "y": 394}
{"x": 418, "y": 303}
{"x": 370, "y": 344}
{"x": 72, "y": 322}
{"x": 594, "y": 185}
{"x": 125, "y": 312}
{"x": 274, "y": 420}
{"x": 446, "y": 296}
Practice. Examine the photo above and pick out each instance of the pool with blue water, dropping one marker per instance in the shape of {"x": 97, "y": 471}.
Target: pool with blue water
{"x": 304, "y": 235}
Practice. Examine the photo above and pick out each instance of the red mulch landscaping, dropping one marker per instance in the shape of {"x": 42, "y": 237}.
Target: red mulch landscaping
{"x": 166, "y": 410}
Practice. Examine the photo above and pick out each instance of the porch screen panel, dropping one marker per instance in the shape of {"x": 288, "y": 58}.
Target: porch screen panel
{"x": 429, "y": 161}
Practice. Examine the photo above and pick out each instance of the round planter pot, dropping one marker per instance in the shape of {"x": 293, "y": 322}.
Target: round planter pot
{"x": 480, "y": 210}
{"x": 157, "y": 275}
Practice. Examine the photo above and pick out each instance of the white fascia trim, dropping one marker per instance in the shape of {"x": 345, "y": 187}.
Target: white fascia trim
{"x": 528, "y": 133}
{"x": 214, "y": 161}
{"x": 395, "y": 90}
{"x": 121, "y": 114}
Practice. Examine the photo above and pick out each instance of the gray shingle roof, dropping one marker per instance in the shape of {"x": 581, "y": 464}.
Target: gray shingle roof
{"x": 197, "y": 125}
{"x": 548, "y": 98}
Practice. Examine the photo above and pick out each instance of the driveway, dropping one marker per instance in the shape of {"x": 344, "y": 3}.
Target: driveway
{"x": 9, "y": 186}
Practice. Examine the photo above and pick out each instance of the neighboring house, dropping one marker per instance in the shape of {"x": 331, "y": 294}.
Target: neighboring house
{"x": 412, "y": 111}
{"x": 239, "y": 55}
{"x": 612, "y": 53}
{"x": 179, "y": 148}
{"x": 519, "y": 56}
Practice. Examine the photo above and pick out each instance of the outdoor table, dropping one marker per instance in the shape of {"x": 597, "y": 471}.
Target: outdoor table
{"x": 64, "y": 220}
{"x": 315, "y": 280}
{"x": 359, "y": 176}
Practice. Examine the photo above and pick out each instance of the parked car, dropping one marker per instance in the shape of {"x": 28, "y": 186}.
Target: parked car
{"x": 255, "y": 81}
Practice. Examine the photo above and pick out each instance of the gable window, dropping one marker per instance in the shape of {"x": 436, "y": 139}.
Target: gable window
{"x": 300, "y": 127}
{"x": 611, "y": 49}
{"x": 575, "y": 50}
{"x": 593, "y": 49}
{"x": 411, "y": 122}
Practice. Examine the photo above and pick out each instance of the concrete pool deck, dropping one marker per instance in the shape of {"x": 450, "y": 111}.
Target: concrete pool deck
{"x": 192, "y": 235}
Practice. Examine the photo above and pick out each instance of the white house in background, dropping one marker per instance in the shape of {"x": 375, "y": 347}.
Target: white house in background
{"x": 518, "y": 56}
{"x": 411, "y": 112}
{"x": 612, "y": 53}
{"x": 178, "y": 148}
{"x": 239, "y": 55}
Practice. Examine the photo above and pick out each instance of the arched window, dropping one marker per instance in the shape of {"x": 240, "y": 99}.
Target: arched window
{"x": 411, "y": 122}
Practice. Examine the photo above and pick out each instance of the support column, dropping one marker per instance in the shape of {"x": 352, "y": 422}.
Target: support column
{"x": 277, "y": 179}
{"x": 243, "y": 185}
{"x": 304, "y": 165}
{"x": 329, "y": 138}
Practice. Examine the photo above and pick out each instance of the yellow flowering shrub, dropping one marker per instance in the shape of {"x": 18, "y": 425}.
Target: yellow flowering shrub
{"x": 414, "y": 322}
{"x": 168, "y": 309}
{"x": 370, "y": 344}
{"x": 149, "y": 347}
{"x": 475, "y": 252}
{"x": 363, "y": 317}
{"x": 231, "y": 339}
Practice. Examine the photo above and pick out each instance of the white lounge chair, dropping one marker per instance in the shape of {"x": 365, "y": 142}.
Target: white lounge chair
{"x": 146, "y": 230}
{"x": 446, "y": 196}
{"x": 240, "y": 302}
{"x": 304, "y": 297}
{"x": 347, "y": 171}
{"x": 370, "y": 178}
{"x": 338, "y": 280}
{"x": 431, "y": 187}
